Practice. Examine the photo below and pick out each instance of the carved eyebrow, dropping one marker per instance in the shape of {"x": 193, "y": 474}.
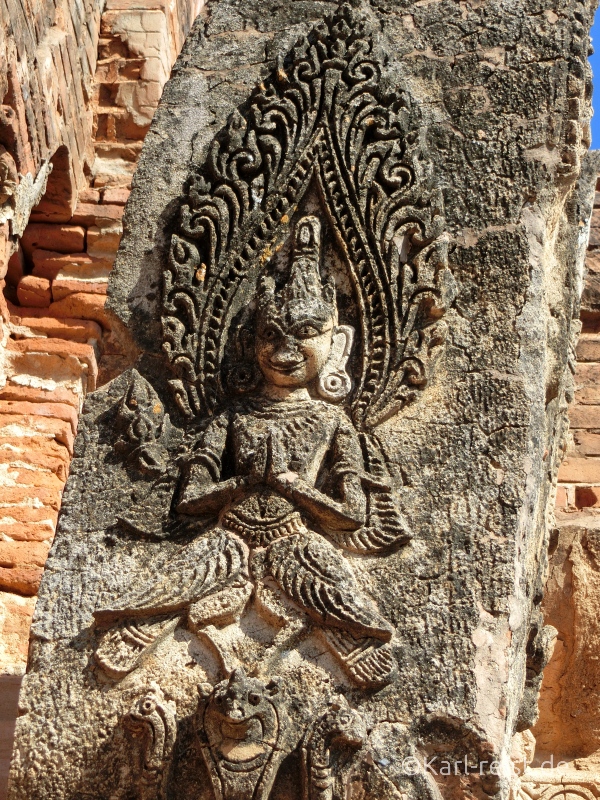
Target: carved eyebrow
{"x": 320, "y": 325}
{"x": 270, "y": 324}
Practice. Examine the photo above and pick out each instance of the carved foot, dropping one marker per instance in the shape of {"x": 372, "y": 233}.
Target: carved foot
{"x": 369, "y": 663}
{"x": 221, "y": 608}
{"x": 121, "y": 648}
{"x": 293, "y": 625}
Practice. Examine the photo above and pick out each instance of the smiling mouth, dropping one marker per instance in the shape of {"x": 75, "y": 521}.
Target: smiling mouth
{"x": 287, "y": 370}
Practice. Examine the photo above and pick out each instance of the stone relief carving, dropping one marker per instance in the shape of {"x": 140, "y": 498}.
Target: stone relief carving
{"x": 557, "y": 784}
{"x": 120, "y": 648}
{"x": 153, "y": 720}
{"x": 141, "y": 422}
{"x": 298, "y": 486}
{"x": 558, "y": 793}
{"x": 302, "y": 307}
{"x": 340, "y": 727}
{"x": 244, "y": 735}
{"x": 240, "y": 508}
{"x": 321, "y": 120}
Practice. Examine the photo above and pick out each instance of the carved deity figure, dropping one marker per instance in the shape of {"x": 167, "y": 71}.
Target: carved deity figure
{"x": 282, "y": 472}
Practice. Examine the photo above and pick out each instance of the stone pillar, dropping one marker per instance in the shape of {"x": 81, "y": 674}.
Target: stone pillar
{"x": 302, "y": 545}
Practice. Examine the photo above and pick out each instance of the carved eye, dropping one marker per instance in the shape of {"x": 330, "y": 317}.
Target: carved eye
{"x": 270, "y": 334}
{"x": 306, "y": 332}
{"x": 253, "y": 698}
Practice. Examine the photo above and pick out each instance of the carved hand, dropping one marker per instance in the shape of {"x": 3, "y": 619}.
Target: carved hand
{"x": 277, "y": 474}
{"x": 328, "y": 512}
{"x": 260, "y": 464}
{"x": 201, "y": 495}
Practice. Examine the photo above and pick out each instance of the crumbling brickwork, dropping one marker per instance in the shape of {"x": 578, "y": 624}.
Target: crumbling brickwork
{"x": 569, "y": 725}
{"x": 579, "y": 476}
{"x": 78, "y": 87}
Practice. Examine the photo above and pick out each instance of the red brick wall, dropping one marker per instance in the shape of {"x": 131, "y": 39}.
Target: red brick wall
{"x": 579, "y": 474}
{"x": 47, "y": 65}
{"x": 568, "y": 728}
{"x": 78, "y": 93}
{"x": 48, "y": 55}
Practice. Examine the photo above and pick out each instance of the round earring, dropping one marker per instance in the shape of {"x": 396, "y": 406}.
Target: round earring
{"x": 243, "y": 378}
{"x": 334, "y": 386}
{"x": 334, "y": 382}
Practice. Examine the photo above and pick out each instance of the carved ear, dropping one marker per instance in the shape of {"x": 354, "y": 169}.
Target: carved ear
{"x": 204, "y": 690}
{"x": 334, "y": 382}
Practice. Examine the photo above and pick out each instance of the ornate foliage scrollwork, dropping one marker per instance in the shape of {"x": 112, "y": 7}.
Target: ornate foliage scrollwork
{"x": 322, "y": 116}
{"x": 558, "y": 787}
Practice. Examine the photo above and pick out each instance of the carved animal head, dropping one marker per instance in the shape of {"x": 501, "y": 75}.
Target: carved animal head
{"x": 342, "y": 725}
{"x": 155, "y": 717}
{"x": 140, "y": 420}
{"x": 244, "y": 733}
{"x": 336, "y": 730}
{"x": 241, "y": 720}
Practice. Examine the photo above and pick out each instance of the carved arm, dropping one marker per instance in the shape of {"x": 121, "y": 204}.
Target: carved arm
{"x": 347, "y": 515}
{"x": 202, "y": 495}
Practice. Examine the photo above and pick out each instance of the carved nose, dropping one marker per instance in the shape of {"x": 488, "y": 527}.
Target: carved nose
{"x": 287, "y": 355}
{"x": 236, "y": 711}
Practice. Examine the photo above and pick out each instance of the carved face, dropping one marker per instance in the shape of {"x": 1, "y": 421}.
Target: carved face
{"x": 291, "y": 352}
{"x": 240, "y": 719}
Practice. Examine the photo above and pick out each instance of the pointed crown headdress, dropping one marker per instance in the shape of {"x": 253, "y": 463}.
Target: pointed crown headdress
{"x": 303, "y": 294}
{"x": 325, "y": 115}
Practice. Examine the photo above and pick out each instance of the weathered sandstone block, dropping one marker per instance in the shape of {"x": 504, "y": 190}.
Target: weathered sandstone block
{"x": 303, "y": 541}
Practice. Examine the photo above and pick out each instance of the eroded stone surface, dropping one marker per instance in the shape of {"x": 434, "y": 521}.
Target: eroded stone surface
{"x": 302, "y": 545}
